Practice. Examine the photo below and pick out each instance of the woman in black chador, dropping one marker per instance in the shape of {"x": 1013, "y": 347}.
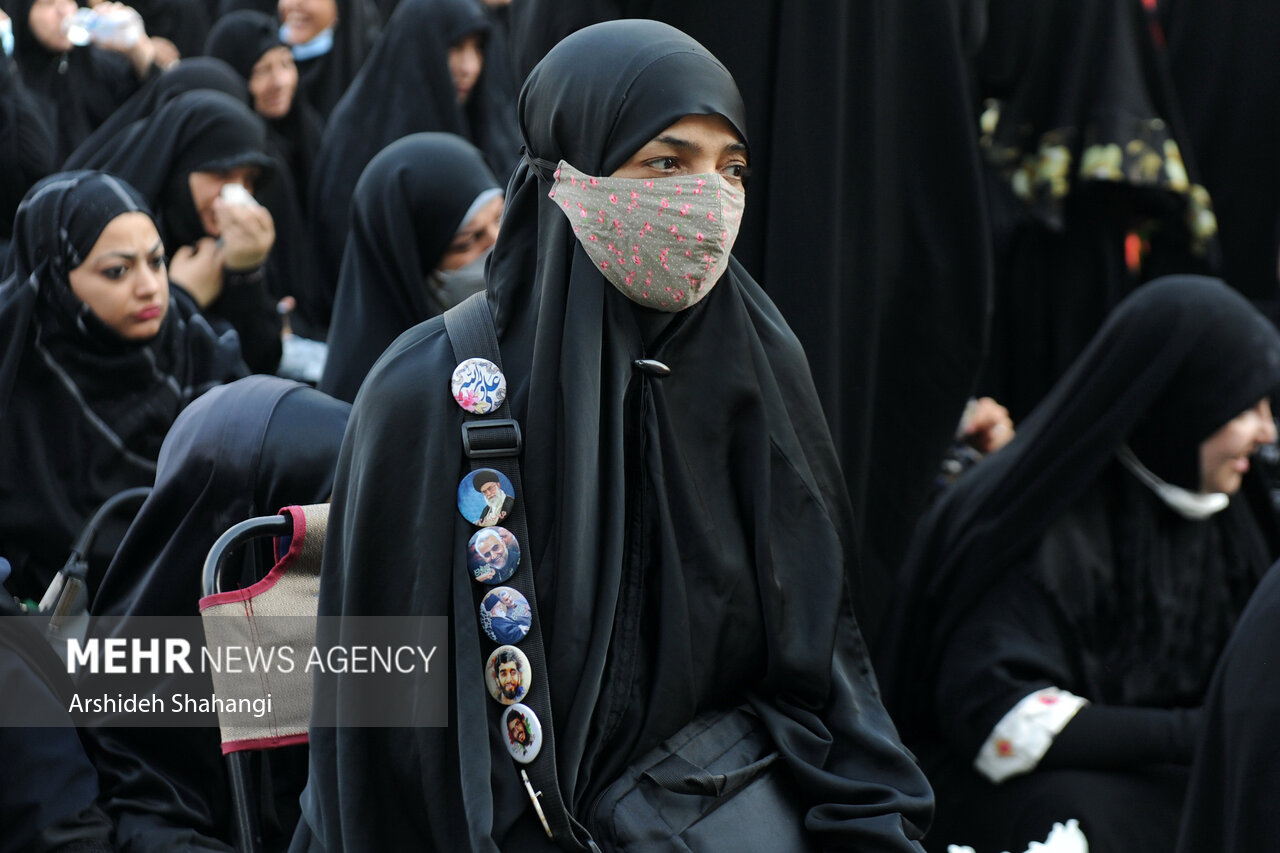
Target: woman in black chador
{"x": 250, "y": 43}
{"x": 427, "y": 73}
{"x": 423, "y": 219}
{"x": 1063, "y": 607}
{"x": 180, "y": 157}
{"x": 689, "y": 535}
{"x": 329, "y": 39}
{"x": 97, "y": 357}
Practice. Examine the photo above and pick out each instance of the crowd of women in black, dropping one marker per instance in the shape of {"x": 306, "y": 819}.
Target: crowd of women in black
{"x": 226, "y": 240}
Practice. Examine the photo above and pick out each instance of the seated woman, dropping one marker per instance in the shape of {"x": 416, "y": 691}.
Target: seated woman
{"x": 78, "y": 87}
{"x": 1064, "y": 604}
{"x": 423, "y": 220}
{"x": 180, "y": 158}
{"x": 250, "y": 43}
{"x": 426, "y": 73}
{"x": 673, "y": 514}
{"x": 98, "y": 358}
{"x": 243, "y": 450}
{"x": 330, "y": 40}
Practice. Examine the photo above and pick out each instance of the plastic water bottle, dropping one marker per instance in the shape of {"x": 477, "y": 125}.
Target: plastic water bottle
{"x": 122, "y": 27}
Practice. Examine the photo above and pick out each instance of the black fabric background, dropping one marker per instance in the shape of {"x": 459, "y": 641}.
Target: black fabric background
{"x": 1225, "y": 73}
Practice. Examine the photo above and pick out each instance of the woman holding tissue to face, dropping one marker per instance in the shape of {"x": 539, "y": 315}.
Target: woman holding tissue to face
{"x": 198, "y": 161}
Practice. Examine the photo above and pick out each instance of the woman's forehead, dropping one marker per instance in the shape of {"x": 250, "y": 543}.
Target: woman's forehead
{"x": 607, "y": 90}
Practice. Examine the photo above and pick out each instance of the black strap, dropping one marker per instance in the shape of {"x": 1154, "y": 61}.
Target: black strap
{"x": 494, "y": 441}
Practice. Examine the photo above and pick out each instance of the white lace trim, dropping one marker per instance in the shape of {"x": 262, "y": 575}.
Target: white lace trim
{"x": 1025, "y": 733}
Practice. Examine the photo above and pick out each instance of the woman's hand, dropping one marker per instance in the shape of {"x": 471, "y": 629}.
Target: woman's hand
{"x": 198, "y": 270}
{"x": 142, "y": 52}
{"x": 247, "y": 233}
{"x": 167, "y": 53}
{"x": 986, "y": 426}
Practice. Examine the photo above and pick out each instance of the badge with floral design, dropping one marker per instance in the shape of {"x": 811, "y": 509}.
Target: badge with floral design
{"x": 478, "y": 386}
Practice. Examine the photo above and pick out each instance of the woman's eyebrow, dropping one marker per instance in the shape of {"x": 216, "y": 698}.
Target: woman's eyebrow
{"x": 677, "y": 142}
{"x": 133, "y": 256}
{"x": 688, "y": 145}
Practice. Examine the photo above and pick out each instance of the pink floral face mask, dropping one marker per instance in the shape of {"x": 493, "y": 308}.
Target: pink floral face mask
{"x": 663, "y": 242}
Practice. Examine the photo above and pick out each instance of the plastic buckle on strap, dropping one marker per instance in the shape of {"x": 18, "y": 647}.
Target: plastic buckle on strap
{"x": 537, "y": 806}
{"x": 487, "y": 439}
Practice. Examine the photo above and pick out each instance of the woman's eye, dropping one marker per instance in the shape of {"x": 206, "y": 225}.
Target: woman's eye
{"x": 663, "y": 164}
{"x": 737, "y": 170}
{"x": 115, "y": 273}
{"x": 462, "y": 244}
{"x": 157, "y": 263}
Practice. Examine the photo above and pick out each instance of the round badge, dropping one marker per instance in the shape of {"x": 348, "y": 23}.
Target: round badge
{"x": 505, "y": 615}
{"x": 508, "y": 675}
{"x": 478, "y": 385}
{"x": 486, "y": 497}
{"x": 493, "y": 555}
{"x": 523, "y": 733}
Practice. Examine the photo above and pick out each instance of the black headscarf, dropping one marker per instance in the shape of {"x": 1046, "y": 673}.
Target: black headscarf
{"x": 324, "y": 79}
{"x": 82, "y": 411}
{"x": 1174, "y": 362}
{"x": 243, "y": 450}
{"x": 241, "y": 37}
{"x": 195, "y": 73}
{"x": 693, "y": 526}
{"x": 79, "y": 89}
{"x": 405, "y": 211}
{"x": 405, "y": 88}
{"x": 200, "y": 130}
